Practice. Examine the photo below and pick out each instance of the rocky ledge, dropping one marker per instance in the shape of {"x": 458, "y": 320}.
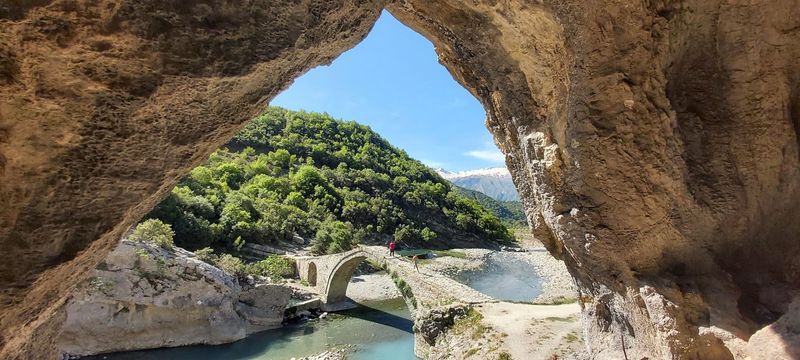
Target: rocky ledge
{"x": 142, "y": 296}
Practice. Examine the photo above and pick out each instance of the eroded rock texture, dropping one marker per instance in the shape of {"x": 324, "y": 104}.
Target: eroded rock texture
{"x": 104, "y": 105}
{"x": 654, "y": 142}
{"x": 142, "y": 297}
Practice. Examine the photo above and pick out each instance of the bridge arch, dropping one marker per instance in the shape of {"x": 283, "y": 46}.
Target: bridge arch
{"x": 311, "y": 274}
{"x": 335, "y": 289}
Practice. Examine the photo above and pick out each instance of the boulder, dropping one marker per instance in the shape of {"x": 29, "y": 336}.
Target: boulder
{"x": 142, "y": 296}
{"x": 779, "y": 340}
{"x": 437, "y": 321}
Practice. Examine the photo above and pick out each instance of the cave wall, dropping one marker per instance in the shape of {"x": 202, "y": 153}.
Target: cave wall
{"x": 105, "y": 105}
{"x": 655, "y": 147}
{"x": 653, "y": 142}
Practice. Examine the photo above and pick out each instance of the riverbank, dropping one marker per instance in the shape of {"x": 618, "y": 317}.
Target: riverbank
{"x": 536, "y": 331}
{"x": 372, "y": 287}
{"x": 543, "y": 326}
{"x": 556, "y": 283}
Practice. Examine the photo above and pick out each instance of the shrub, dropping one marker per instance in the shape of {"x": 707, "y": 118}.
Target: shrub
{"x": 471, "y": 325}
{"x": 404, "y": 288}
{"x": 206, "y": 254}
{"x": 333, "y": 237}
{"x": 238, "y": 243}
{"x": 232, "y": 265}
{"x": 274, "y": 266}
{"x": 504, "y": 356}
{"x": 142, "y": 254}
{"x": 101, "y": 285}
{"x": 155, "y": 232}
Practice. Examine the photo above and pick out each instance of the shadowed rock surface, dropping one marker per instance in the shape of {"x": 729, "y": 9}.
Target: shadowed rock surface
{"x": 654, "y": 143}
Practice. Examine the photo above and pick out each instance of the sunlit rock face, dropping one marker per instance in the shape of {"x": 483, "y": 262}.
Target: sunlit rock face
{"x": 142, "y": 297}
{"x": 105, "y": 104}
{"x": 654, "y": 143}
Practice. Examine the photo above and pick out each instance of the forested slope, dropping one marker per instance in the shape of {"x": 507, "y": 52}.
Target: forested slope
{"x": 336, "y": 182}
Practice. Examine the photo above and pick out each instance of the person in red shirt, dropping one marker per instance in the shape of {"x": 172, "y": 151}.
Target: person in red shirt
{"x": 391, "y": 248}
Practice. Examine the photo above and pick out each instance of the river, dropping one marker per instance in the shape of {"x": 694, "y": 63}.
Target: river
{"x": 380, "y": 330}
{"x": 505, "y": 276}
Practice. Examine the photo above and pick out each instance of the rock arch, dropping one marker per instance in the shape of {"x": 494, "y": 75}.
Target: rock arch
{"x": 654, "y": 143}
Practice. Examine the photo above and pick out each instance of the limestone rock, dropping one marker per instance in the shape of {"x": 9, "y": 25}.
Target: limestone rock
{"x": 435, "y": 322}
{"x": 780, "y": 340}
{"x": 145, "y": 297}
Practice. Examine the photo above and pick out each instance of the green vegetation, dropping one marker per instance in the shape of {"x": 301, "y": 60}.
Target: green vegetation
{"x": 274, "y": 266}
{"x": 572, "y": 337}
{"x": 510, "y": 212}
{"x": 205, "y": 254}
{"x": 297, "y": 173}
{"x": 374, "y": 264}
{"x": 471, "y": 325}
{"x": 104, "y": 286}
{"x": 147, "y": 272}
{"x": 232, "y": 265}
{"x": 451, "y": 253}
{"x": 559, "y": 318}
{"x": 561, "y": 300}
{"x": 154, "y": 231}
{"x": 504, "y": 356}
{"x": 404, "y": 288}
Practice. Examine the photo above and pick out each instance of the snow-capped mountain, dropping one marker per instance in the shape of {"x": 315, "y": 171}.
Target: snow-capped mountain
{"x": 495, "y": 182}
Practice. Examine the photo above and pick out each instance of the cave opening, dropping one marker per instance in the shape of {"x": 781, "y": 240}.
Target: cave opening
{"x": 248, "y": 197}
{"x": 106, "y": 105}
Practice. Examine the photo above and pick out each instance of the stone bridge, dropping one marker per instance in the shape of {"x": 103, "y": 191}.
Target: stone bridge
{"x": 330, "y": 275}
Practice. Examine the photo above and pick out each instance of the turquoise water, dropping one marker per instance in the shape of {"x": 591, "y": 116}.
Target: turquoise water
{"x": 504, "y": 277}
{"x": 381, "y": 330}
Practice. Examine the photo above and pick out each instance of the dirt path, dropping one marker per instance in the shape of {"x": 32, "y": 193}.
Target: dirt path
{"x": 535, "y": 331}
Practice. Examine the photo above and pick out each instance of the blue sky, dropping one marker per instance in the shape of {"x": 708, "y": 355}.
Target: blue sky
{"x": 393, "y": 82}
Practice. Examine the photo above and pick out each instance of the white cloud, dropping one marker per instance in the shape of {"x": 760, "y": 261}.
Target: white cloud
{"x": 494, "y": 155}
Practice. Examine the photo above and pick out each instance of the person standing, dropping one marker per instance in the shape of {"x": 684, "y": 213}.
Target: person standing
{"x": 391, "y": 248}
{"x": 414, "y": 260}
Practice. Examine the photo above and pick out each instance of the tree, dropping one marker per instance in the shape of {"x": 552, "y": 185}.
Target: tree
{"x": 288, "y": 173}
{"x": 427, "y": 234}
{"x": 306, "y": 179}
{"x": 333, "y": 236}
{"x": 154, "y": 231}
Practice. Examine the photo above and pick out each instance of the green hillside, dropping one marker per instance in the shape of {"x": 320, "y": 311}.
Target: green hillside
{"x": 338, "y": 183}
{"x": 510, "y": 212}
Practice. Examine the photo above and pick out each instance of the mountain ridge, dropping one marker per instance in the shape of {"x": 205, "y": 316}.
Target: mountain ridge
{"x": 493, "y": 182}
